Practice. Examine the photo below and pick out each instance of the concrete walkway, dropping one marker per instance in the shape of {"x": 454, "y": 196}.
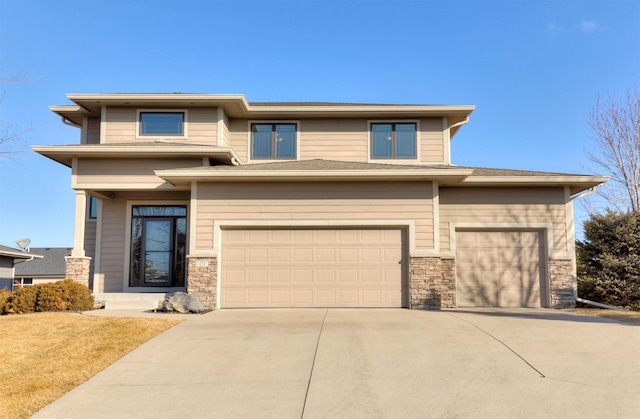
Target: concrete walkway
{"x": 362, "y": 363}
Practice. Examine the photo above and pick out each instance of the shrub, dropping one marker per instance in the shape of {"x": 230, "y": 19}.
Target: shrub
{"x": 609, "y": 259}
{"x": 4, "y": 297}
{"x": 58, "y": 296}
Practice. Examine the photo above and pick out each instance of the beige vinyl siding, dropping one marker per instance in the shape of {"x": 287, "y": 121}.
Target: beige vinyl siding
{"x": 292, "y": 202}
{"x": 90, "y": 242}
{"x": 334, "y": 139}
{"x": 202, "y": 126}
{"x": 504, "y": 206}
{"x": 93, "y": 131}
{"x": 342, "y": 139}
{"x": 225, "y": 130}
{"x": 112, "y": 244}
{"x": 126, "y": 173}
{"x": 431, "y": 141}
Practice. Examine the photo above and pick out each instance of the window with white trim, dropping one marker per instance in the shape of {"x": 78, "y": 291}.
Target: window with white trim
{"x": 161, "y": 124}
{"x": 393, "y": 140}
{"x": 274, "y": 141}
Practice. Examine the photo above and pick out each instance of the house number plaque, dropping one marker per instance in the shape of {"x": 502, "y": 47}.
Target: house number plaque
{"x": 202, "y": 263}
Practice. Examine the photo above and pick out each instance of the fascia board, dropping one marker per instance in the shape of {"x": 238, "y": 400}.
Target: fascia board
{"x": 557, "y": 179}
{"x": 180, "y": 176}
{"x": 19, "y": 255}
{"x": 63, "y": 154}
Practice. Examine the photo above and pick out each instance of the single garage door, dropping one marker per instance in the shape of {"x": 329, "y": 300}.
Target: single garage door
{"x": 501, "y": 269}
{"x": 313, "y": 268}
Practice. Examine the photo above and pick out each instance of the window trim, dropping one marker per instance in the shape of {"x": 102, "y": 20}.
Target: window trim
{"x": 272, "y": 122}
{"x": 394, "y": 160}
{"x": 185, "y": 125}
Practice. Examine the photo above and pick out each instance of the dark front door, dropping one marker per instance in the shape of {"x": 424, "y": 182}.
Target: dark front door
{"x": 158, "y": 246}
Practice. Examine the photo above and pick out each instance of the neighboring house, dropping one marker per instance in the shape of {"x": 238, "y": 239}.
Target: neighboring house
{"x": 49, "y": 268}
{"x": 9, "y": 257}
{"x": 247, "y": 204}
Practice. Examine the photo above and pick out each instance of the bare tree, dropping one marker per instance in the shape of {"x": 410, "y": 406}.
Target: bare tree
{"x": 10, "y": 135}
{"x": 615, "y": 127}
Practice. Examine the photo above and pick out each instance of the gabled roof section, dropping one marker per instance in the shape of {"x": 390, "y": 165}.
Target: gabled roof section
{"x": 330, "y": 170}
{"x": 51, "y": 262}
{"x": 236, "y": 106}
{"x": 139, "y": 150}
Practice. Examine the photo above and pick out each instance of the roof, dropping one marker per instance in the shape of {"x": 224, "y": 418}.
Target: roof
{"x": 323, "y": 170}
{"x": 51, "y": 262}
{"x": 13, "y": 253}
{"x": 139, "y": 150}
{"x": 237, "y": 106}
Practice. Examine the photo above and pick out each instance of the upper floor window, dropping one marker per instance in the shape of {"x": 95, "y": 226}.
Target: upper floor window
{"x": 273, "y": 141}
{"x": 161, "y": 123}
{"x": 393, "y": 140}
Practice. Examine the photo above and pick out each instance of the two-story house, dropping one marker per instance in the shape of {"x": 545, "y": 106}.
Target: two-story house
{"x": 247, "y": 204}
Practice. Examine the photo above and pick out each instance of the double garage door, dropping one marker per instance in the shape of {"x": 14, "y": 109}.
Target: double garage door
{"x": 313, "y": 268}
{"x": 501, "y": 269}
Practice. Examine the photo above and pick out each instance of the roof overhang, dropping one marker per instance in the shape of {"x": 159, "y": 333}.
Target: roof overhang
{"x": 65, "y": 153}
{"x": 236, "y": 106}
{"x": 576, "y": 183}
{"x": 17, "y": 254}
{"x": 183, "y": 176}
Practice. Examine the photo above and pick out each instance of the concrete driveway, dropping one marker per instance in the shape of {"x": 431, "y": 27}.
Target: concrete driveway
{"x": 362, "y": 363}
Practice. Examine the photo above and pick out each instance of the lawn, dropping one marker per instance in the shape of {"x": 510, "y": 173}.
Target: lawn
{"x": 623, "y": 316}
{"x": 44, "y": 355}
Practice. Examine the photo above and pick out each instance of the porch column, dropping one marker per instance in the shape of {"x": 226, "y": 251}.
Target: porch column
{"x": 77, "y": 265}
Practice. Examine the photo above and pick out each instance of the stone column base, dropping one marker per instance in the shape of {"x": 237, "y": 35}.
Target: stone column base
{"x": 78, "y": 268}
{"x": 432, "y": 283}
{"x": 202, "y": 279}
{"x": 562, "y": 284}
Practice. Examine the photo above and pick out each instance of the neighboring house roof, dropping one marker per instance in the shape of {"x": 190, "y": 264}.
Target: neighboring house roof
{"x": 50, "y": 263}
{"x": 319, "y": 170}
{"x": 15, "y": 253}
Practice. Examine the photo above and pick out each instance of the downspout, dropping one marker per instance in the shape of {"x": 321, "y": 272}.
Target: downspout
{"x": 457, "y": 124}
{"x": 71, "y": 124}
{"x": 590, "y": 192}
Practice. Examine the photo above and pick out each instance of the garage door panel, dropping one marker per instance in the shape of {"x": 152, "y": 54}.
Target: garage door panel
{"x": 306, "y": 268}
{"x": 500, "y": 268}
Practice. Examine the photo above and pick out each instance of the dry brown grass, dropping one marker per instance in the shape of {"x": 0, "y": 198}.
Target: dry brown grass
{"x": 44, "y": 355}
{"x": 623, "y": 316}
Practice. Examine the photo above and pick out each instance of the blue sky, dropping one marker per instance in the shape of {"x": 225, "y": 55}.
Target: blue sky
{"x": 533, "y": 69}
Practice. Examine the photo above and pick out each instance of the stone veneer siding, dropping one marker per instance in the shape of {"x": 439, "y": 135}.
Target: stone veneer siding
{"x": 432, "y": 283}
{"x": 562, "y": 283}
{"x": 202, "y": 280}
{"x": 78, "y": 268}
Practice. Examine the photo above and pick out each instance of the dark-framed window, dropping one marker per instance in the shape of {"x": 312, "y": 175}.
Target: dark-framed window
{"x": 393, "y": 140}
{"x": 161, "y": 123}
{"x": 93, "y": 208}
{"x": 158, "y": 246}
{"x": 273, "y": 141}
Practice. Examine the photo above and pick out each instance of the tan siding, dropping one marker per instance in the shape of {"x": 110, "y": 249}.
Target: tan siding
{"x": 90, "y": 240}
{"x": 202, "y": 126}
{"x": 93, "y": 131}
{"x": 126, "y": 173}
{"x": 6, "y": 272}
{"x": 334, "y": 139}
{"x": 113, "y": 244}
{"x": 121, "y": 125}
{"x": 225, "y": 130}
{"x": 238, "y": 137}
{"x": 431, "y": 141}
{"x": 319, "y": 201}
{"x": 503, "y": 205}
